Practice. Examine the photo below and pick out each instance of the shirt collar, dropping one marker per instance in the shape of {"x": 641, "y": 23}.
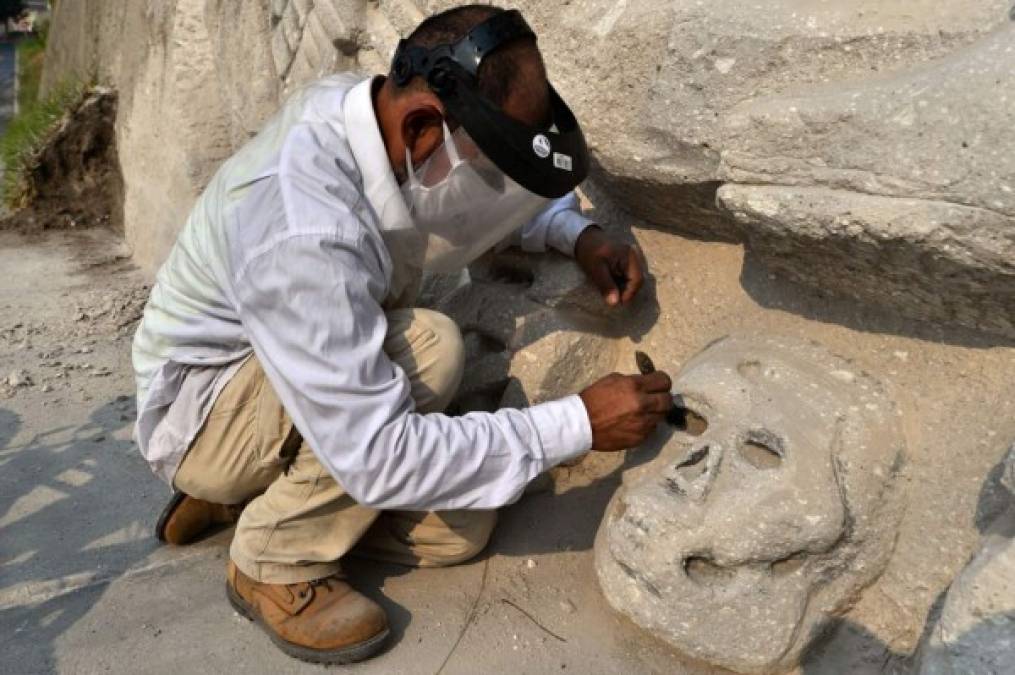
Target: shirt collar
{"x": 379, "y": 183}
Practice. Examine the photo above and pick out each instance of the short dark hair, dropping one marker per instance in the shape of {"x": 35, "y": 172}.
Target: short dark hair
{"x": 499, "y": 72}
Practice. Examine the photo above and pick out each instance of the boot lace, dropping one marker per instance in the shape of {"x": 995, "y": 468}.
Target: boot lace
{"x": 304, "y": 587}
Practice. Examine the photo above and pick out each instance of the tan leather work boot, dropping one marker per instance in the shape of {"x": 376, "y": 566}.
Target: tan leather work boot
{"x": 185, "y": 519}
{"x": 322, "y": 621}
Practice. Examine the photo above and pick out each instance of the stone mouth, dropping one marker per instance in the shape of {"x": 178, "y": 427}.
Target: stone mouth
{"x": 704, "y": 570}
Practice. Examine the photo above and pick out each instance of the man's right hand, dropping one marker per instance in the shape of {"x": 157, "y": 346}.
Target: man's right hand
{"x": 625, "y": 409}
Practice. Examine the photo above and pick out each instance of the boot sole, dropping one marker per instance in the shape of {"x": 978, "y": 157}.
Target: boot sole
{"x": 167, "y": 513}
{"x": 345, "y": 655}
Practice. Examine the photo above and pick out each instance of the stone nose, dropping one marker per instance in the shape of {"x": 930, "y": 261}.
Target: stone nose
{"x": 694, "y": 475}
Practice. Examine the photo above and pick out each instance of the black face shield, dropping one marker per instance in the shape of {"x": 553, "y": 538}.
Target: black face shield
{"x": 548, "y": 161}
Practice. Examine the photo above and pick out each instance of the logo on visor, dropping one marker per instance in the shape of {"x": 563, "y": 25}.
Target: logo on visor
{"x": 541, "y": 146}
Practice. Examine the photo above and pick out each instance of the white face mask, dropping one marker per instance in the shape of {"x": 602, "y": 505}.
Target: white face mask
{"x": 462, "y": 205}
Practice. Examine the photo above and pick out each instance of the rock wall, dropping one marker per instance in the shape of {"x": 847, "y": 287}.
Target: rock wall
{"x": 821, "y": 122}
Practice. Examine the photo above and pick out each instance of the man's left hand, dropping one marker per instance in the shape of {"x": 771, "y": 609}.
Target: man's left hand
{"x": 615, "y": 268}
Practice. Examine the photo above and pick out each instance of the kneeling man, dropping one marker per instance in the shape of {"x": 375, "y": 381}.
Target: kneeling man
{"x": 283, "y": 377}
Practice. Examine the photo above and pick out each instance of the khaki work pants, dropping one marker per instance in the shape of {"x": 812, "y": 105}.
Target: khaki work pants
{"x": 300, "y": 521}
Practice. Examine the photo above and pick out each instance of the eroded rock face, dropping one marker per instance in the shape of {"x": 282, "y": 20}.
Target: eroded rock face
{"x": 738, "y": 544}
{"x": 861, "y": 100}
{"x": 73, "y": 180}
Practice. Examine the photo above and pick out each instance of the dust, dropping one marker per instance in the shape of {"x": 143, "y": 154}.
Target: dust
{"x": 67, "y": 315}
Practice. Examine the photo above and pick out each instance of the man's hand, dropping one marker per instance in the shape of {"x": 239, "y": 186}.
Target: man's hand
{"x": 614, "y": 268}
{"x": 625, "y": 409}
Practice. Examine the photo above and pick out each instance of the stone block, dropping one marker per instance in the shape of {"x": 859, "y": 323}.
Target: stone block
{"x": 925, "y": 259}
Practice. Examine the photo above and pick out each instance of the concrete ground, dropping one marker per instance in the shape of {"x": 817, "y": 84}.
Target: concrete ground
{"x": 85, "y": 588}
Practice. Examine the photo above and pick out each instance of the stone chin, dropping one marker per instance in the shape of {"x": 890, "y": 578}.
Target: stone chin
{"x": 701, "y": 597}
{"x": 766, "y": 512}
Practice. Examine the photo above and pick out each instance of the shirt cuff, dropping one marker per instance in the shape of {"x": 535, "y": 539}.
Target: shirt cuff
{"x": 564, "y": 429}
{"x": 568, "y": 225}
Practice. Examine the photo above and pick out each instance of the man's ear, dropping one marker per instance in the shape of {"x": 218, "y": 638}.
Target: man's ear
{"x": 422, "y": 130}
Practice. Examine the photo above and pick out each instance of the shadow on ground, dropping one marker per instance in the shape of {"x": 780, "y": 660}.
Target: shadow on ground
{"x": 74, "y": 514}
{"x": 547, "y": 523}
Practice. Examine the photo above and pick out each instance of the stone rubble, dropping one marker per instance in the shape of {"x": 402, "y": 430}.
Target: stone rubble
{"x": 19, "y": 378}
{"x": 59, "y": 349}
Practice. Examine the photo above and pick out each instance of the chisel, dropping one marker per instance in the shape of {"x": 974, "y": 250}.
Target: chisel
{"x": 677, "y": 416}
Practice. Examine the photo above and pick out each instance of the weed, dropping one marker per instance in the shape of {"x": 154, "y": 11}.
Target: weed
{"x": 31, "y": 56}
{"x": 26, "y": 136}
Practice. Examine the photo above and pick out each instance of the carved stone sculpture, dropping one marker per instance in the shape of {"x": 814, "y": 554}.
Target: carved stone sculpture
{"x": 769, "y": 509}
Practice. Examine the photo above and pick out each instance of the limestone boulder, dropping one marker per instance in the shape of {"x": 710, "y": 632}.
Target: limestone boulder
{"x": 923, "y": 258}
{"x": 654, "y": 82}
{"x": 773, "y": 504}
{"x": 938, "y": 132}
{"x": 899, "y": 190}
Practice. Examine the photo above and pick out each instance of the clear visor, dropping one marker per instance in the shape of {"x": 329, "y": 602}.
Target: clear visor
{"x": 463, "y": 205}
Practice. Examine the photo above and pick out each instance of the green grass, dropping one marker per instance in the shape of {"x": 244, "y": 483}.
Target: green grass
{"x": 31, "y": 56}
{"x": 36, "y": 119}
{"x": 25, "y": 136}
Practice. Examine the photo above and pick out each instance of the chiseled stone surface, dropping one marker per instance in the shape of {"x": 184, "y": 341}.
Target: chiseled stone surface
{"x": 740, "y": 542}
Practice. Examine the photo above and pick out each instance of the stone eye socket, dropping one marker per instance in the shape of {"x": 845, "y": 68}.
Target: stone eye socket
{"x": 683, "y": 418}
{"x": 695, "y": 465}
{"x": 762, "y": 449}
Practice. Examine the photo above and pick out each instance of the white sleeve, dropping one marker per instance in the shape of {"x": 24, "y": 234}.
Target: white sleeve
{"x": 557, "y": 227}
{"x": 309, "y": 305}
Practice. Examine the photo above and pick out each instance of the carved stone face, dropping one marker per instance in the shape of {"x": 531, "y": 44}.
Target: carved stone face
{"x": 764, "y": 514}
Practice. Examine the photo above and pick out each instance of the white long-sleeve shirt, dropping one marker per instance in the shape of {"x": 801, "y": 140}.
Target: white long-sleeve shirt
{"x": 283, "y": 257}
